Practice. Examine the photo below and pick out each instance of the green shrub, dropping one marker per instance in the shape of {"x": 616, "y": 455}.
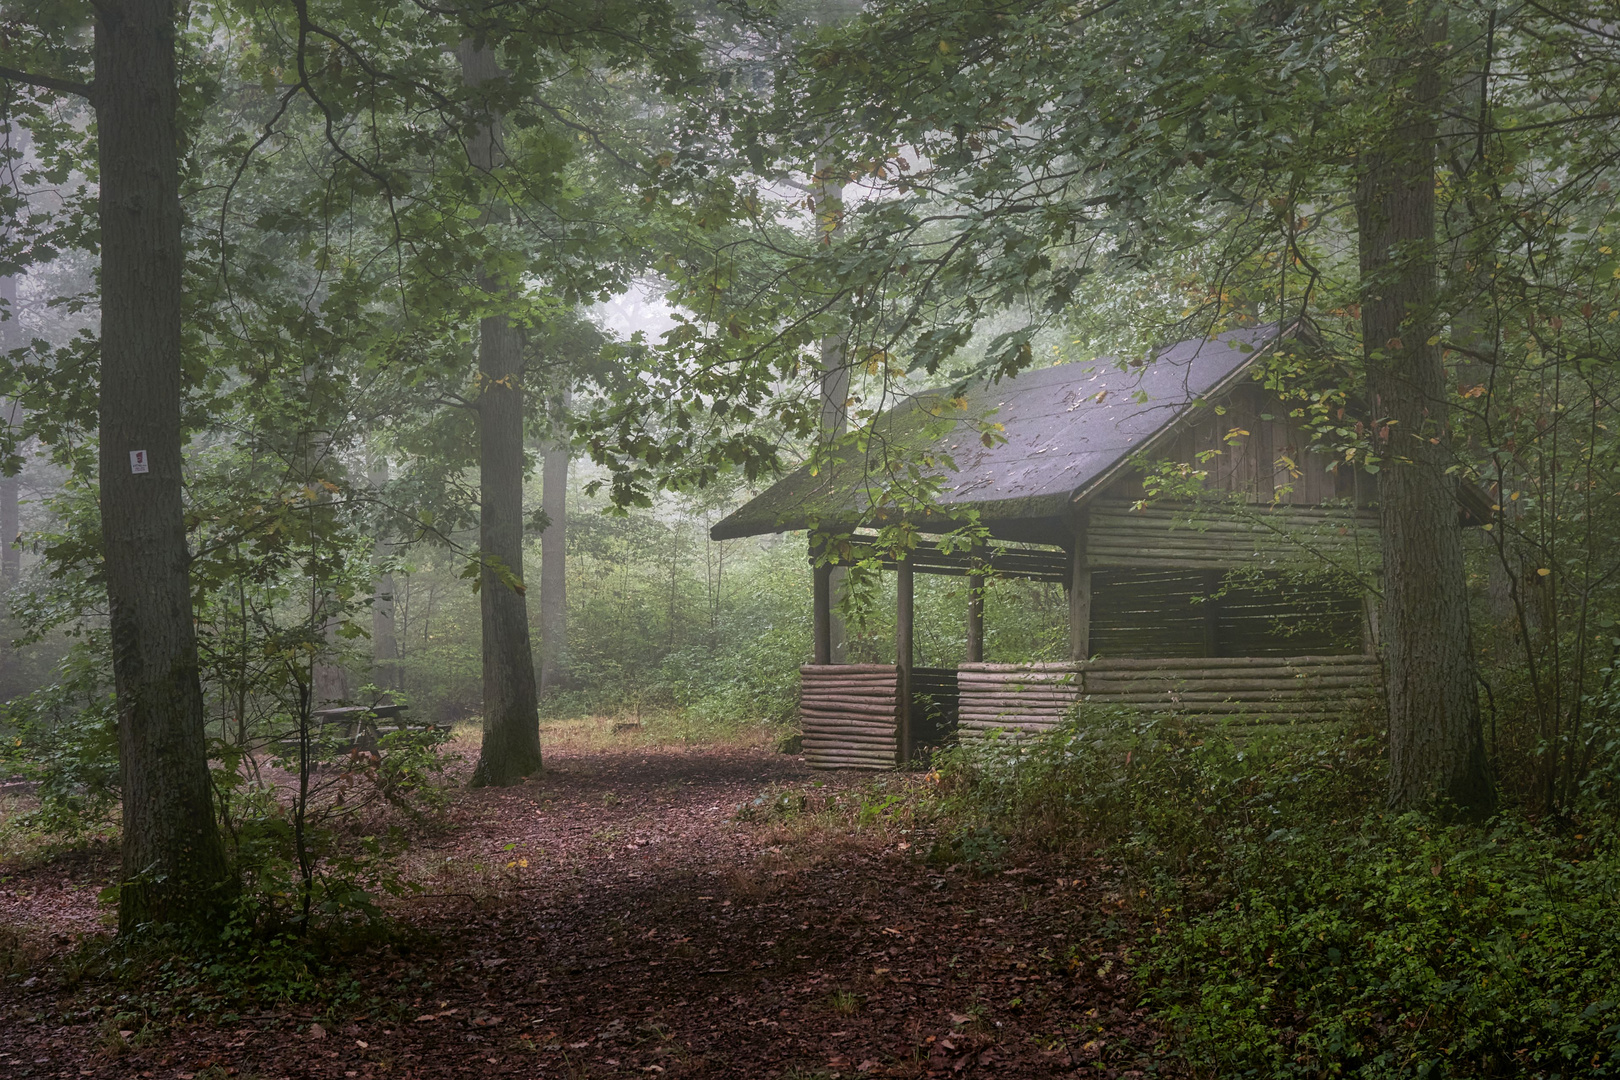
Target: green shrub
{"x": 65, "y": 738}
{"x": 1290, "y": 927}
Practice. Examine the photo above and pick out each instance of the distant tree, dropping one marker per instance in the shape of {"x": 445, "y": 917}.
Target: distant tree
{"x": 10, "y": 482}
{"x": 555, "y": 458}
{"x": 511, "y": 748}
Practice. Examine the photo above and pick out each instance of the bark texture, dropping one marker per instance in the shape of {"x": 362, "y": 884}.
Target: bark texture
{"x": 173, "y": 860}
{"x": 1437, "y": 752}
{"x": 554, "y": 563}
{"x": 511, "y": 746}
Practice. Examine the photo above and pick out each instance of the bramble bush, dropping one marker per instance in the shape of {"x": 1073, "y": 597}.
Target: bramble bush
{"x": 1290, "y": 927}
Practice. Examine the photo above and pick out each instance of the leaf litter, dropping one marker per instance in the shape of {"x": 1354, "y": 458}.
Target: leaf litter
{"x": 617, "y": 917}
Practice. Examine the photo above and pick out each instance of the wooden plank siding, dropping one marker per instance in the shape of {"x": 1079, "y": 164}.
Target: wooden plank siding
{"x": 1035, "y": 697}
{"x": 1267, "y": 461}
{"x": 1181, "y": 536}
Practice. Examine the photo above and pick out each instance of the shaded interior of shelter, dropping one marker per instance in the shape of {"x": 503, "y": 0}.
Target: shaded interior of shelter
{"x": 1252, "y": 605}
{"x": 1140, "y": 614}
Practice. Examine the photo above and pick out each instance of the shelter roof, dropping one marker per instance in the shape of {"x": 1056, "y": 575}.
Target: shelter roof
{"x": 1068, "y": 429}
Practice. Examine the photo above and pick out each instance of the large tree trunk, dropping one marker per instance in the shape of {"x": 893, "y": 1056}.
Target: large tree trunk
{"x": 511, "y": 748}
{"x": 174, "y": 862}
{"x": 1437, "y": 753}
{"x": 554, "y": 560}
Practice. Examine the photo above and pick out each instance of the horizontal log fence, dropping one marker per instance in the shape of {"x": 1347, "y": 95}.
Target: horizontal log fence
{"x": 1034, "y": 697}
{"x": 850, "y": 715}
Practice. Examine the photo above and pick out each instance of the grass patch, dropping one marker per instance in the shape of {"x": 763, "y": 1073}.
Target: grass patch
{"x": 843, "y": 1003}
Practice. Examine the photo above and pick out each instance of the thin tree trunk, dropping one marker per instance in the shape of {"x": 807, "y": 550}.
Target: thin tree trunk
{"x": 10, "y": 486}
{"x": 329, "y": 679}
{"x": 173, "y": 860}
{"x": 554, "y": 561}
{"x": 384, "y": 633}
{"x": 511, "y": 747}
{"x": 834, "y": 385}
{"x": 1437, "y": 752}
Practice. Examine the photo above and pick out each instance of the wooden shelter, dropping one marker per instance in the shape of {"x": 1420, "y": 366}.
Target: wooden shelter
{"x": 1158, "y": 619}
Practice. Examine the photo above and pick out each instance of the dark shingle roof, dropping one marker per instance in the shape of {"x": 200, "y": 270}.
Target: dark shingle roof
{"x": 1067, "y": 430}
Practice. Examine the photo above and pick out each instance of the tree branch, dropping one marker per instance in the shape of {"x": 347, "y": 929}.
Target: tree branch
{"x": 46, "y": 82}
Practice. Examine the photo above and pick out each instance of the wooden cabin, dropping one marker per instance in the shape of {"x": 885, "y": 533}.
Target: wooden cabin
{"x": 1249, "y": 606}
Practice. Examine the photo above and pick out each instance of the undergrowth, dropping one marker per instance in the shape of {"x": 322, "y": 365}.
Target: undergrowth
{"x": 315, "y": 868}
{"x": 1290, "y": 927}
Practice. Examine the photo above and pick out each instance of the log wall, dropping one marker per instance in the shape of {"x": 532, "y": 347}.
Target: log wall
{"x": 850, "y": 715}
{"x": 1034, "y": 697}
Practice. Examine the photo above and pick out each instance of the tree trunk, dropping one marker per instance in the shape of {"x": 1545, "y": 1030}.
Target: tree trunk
{"x": 173, "y": 860}
{"x": 10, "y": 486}
{"x": 511, "y": 748}
{"x": 384, "y": 635}
{"x": 834, "y": 386}
{"x": 554, "y": 562}
{"x": 1437, "y": 752}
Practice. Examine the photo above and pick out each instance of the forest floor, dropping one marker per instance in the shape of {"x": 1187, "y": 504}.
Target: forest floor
{"x": 642, "y": 912}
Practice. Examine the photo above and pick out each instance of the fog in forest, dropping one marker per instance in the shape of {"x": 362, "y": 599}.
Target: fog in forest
{"x": 809, "y": 539}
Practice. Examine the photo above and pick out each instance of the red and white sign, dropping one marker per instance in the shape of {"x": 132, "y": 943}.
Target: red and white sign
{"x": 137, "y": 461}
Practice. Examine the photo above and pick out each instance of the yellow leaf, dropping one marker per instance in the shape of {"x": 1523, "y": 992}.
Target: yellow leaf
{"x": 1543, "y": 572}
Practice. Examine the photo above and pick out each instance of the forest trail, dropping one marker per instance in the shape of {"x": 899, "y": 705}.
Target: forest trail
{"x": 618, "y": 917}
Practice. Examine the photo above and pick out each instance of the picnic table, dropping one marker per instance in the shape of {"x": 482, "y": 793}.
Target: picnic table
{"x": 363, "y": 727}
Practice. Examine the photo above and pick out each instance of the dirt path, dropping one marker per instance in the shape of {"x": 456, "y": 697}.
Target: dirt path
{"x": 653, "y": 934}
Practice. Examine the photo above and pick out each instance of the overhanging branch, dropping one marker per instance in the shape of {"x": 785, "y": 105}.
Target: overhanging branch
{"x": 46, "y": 82}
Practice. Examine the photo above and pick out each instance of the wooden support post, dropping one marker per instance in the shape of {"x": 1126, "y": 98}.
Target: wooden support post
{"x": 903, "y": 628}
{"x": 1079, "y": 597}
{"x": 975, "y": 619}
{"x": 821, "y": 603}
